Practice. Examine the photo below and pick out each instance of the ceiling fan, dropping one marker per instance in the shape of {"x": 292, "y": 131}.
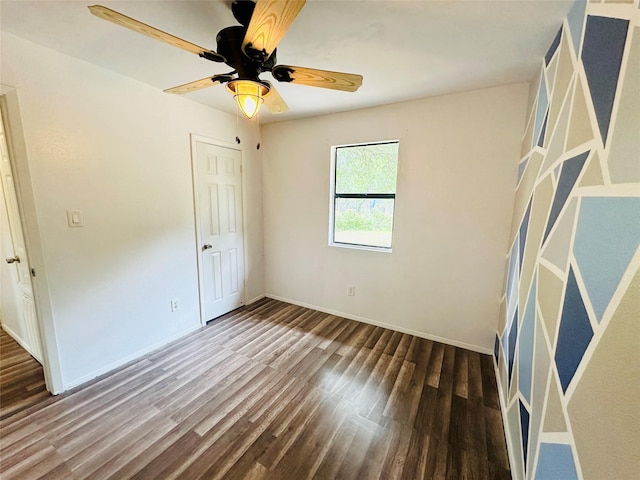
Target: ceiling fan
{"x": 250, "y": 49}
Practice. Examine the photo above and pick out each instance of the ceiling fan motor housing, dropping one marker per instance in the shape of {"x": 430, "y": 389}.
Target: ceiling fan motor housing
{"x": 229, "y": 42}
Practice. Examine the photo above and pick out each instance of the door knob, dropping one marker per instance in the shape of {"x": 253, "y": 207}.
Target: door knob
{"x": 206, "y": 246}
{"x": 13, "y": 259}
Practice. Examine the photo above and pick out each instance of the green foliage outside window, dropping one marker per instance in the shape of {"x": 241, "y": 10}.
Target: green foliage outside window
{"x": 367, "y": 168}
{"x": 362, "y": 217}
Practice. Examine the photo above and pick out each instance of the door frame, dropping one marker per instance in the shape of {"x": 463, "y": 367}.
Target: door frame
{"x": 28, "y": 325}
{"x": 194, "y": 138}
{"x": 33, "y": 243}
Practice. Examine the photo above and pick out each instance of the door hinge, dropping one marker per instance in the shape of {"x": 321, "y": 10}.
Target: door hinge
{"x": 33, "y": 272}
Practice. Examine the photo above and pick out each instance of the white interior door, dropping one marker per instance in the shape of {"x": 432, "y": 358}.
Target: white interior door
{"x": 18, "y": 307}
{"x": 218, "y": 182}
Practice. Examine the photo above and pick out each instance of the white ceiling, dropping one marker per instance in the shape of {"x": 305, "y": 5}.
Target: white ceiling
{"x": 404, "y": 49}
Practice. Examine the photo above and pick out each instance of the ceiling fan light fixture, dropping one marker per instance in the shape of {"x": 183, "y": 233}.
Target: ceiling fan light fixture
{"x": 248, "y": 94}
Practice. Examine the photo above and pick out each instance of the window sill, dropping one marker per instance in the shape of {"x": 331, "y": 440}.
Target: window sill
{"x": 353, "y": 246}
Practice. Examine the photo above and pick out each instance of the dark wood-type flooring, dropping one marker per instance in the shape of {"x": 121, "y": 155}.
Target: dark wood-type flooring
{"x": 21, "y": 378}
{"x": 272, "y": 391}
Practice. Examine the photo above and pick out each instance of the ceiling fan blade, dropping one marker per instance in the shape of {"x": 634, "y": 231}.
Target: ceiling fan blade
{"x": 199, "y": 84}
{"x": 132, "y": 24}
{"x": 274, "y": 102}
{"x": 348, "y": 82}
{"x": 270, "y": 21}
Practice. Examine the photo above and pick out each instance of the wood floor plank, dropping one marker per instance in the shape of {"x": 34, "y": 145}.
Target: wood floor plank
{"x": 219, "y": 457}
{"x": 412, "y": 393}
{"x": 126, "y": 449}
{"x": 442, "y": 420}
{"x": 370, "y": 393}
{"x": 417, "y": 453}
{"x": 338, "y": 326}
{"x": 83, "y": 459}
{"x": 461, "y": 381}
{"x": 269, "y": 391}
{"x": 496, "y": 443}
{"x": 247, "y": 466}
{"x": 357, "y": 450}
{"x": 275, "y": 400}
{"x": 394, "y": 404}
{"x": 305, "y": 455}
{"x": 335, "y": 455}
{"x": 397, "y": 453}
{"x": 188, "y": 402}
{"x": 488, "y": 377}
{"x": 21, "y": 378}
{"x": 151, "y": 455}
{"x": 289, "y": 429}
{"x": 435, "y": 365}
{"x": 475, "y": 381}
{"x": 170, "y": 458}
{"x": 384, "y": 390}
{"x": 223, "y": 400}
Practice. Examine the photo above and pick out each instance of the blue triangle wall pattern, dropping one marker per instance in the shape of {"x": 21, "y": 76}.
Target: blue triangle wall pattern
{"x": 524, "y": 226}
{"x": 568, "y": 175}
{"x": 602, "y": 51}
{"x": 524, "y": 425}
{"x": 553, "y": 47}
{"x": 574, "y": 335}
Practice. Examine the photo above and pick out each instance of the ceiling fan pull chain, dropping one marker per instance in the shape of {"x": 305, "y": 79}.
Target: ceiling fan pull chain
{"x": 258, "y": 130}
{"x": 237, "y": 113}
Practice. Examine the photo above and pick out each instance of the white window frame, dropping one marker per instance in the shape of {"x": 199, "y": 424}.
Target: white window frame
{"x": 332, "y": 197}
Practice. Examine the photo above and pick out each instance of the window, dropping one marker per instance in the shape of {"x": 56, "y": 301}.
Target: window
{"x": 363, "y": 195}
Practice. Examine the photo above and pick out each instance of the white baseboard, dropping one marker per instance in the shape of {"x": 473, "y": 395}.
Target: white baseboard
{"x": 112, "y": 366}
{"x": 255, "y": 299}
{"x": 396, "y": 328}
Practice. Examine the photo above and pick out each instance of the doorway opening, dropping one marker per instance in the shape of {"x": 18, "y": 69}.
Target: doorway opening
{"x": 22, "y": 380}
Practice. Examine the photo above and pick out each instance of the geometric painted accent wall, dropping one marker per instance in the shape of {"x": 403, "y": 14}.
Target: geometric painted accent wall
{"x": 568, "y": 352}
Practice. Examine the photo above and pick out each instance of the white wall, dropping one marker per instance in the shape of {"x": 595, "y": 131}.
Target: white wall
{"x": 456, "y": 180}
{"x": 118, "y": 150}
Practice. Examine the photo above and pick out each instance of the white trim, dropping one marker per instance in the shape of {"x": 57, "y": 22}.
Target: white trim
{"x": 617, "y": 190}
{"x": 123, "y": 361}
{"x": 255, "y": 299}
{"x": 395, "y": 328}
{"x": 355, "y": 246}
{"x": 193, "y": 139}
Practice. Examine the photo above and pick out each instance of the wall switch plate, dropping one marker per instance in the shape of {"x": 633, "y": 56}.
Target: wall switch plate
{"x": 74, "y": 218}
{"x": 175, "y": 304}
{"x": 351, "y": 290}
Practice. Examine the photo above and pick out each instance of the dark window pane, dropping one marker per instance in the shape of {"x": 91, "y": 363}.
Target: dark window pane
{"x": 364, "y": 221}
{"x": 367, "y": 168}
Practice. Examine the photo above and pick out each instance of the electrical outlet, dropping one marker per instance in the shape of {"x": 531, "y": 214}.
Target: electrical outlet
{"x": 175, "y": 304}
{"x": 351, "y": 290}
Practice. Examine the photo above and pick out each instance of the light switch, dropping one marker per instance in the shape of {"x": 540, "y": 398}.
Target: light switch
{"x": 74, "y": 218}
